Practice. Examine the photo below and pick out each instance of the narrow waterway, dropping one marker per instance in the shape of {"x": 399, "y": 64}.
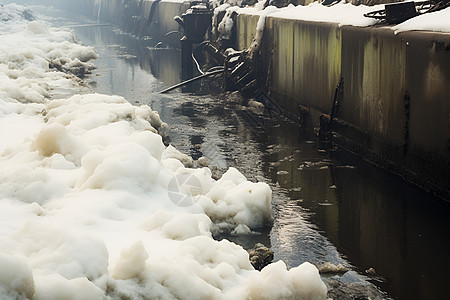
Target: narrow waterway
{"x": 328, "y": 206}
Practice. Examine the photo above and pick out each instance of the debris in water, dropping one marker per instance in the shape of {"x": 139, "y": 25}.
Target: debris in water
{"x": 260, "y": 256}
{"x": 202, "y": 162}
{"x": 326, "y": 203}
{"x": 328, "y": 267}
{"x": 353, "y": 290}
{"x": 371, "y": 271}
{"x": 296, "y": 189}
{"x": 282, "y": 172}
{"x": 256, "y": 107}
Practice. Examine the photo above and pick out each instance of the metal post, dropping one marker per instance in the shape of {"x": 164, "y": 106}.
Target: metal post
{"x": 186, "y": 59}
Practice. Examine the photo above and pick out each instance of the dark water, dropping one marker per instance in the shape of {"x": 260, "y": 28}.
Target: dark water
{"x": 329, "y": 206}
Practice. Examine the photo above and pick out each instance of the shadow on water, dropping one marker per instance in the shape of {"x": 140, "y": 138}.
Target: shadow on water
{"x": 328, "y": 206}
{"x": 374, "y": 219}
{"x": 395, "y": 228}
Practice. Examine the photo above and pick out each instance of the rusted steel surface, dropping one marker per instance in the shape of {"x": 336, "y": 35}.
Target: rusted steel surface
{"x": 395, "y": 109}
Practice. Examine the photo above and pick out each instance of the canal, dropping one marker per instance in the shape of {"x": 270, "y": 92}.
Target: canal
{"x": 328, "y": 205}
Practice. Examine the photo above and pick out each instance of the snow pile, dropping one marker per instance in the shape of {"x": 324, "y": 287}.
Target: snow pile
{"x": 226, "y": 25}
{"x": 435, "y": 21}
{"x": 341, "y": 13}
{"x": 90, "y": 196}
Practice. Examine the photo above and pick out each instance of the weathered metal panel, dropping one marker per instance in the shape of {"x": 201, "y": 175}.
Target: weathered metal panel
{"x": 396, "y": 89}
{"x": 373, "y": 67}
{"x": 245, "y": 30}
{"x": 305, "y": 61}
{"x": 167, "y": 11}
{"x": 428, "y": 84}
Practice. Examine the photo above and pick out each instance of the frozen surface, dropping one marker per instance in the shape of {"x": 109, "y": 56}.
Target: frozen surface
{"x": 90, "y": 196}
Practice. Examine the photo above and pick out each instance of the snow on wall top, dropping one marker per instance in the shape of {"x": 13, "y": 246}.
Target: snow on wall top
{"x": 348, "y": 14}
{"x": 436, "y": 21}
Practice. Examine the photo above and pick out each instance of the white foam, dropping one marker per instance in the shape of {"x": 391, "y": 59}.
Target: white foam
{"x": 84, "y": 194}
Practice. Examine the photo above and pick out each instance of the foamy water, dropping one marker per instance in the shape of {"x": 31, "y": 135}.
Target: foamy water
{"x": 91, "y": 200}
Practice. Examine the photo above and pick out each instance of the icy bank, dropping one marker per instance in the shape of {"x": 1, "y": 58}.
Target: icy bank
{"x": 87, "y": 201}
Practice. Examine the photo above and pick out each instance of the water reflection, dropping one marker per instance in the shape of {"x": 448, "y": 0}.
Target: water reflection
{"x": 125, "y": 59}
{"x": 328, "y": 206}
{"x": 165, "y": 64}
{"x": 374, "y": 219}
{"x": 396, "y": 229}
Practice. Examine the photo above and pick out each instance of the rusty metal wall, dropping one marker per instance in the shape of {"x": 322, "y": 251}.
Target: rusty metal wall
{"x": 395, "y": 109}
{"x": 305, "y": 61}
{"x": 374, "y": 71}
{"x": 397, "y": 95}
